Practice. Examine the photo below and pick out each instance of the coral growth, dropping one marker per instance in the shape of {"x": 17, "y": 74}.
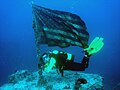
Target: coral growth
{"x": 52, "y": 81}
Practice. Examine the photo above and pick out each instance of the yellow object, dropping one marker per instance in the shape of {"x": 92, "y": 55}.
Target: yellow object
{"x": 95, "y": 46}
{"x": 50, "y": 65}
{"x": 69, "y": 56}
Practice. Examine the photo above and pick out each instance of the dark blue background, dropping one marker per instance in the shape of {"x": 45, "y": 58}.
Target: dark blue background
{"x": 17, "y": 43}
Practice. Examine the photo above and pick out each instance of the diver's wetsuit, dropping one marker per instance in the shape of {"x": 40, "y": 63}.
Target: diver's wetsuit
{"x": 63, "y": 64}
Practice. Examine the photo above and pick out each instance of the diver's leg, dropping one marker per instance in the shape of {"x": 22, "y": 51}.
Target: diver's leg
{"x": 85, "y": 61}
{"x": 74, "y": 66}
{"x": 77, "y": 66}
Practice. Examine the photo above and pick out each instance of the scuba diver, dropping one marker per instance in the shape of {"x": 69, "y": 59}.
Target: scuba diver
{"x": 65, "y": 61}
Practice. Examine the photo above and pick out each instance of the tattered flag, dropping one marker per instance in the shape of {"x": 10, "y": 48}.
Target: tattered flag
{"x": 58, "y": 28}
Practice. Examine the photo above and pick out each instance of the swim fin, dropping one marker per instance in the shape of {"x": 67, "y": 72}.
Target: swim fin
{"x": 95, "y": 46}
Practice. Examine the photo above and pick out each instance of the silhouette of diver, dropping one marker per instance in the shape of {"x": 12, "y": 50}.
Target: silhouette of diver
{"x": 65, "y": 61}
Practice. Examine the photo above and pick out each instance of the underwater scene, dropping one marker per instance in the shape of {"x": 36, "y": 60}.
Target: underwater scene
{"x": 59, "y": 45}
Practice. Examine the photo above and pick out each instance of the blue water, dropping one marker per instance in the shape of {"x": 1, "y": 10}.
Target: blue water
{"x": 17, "y": 42}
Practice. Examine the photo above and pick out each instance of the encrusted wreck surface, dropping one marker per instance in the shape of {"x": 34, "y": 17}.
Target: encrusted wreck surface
{"x": 25, "y": 80}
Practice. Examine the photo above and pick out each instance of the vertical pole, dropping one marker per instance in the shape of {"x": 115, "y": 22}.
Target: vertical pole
{"x": 36, "y": 30}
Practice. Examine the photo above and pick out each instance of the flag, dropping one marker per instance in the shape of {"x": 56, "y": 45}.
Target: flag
{"x": 59, "y": 28}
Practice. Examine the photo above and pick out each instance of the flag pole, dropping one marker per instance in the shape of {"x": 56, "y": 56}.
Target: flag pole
{"x": 35, "y": 26}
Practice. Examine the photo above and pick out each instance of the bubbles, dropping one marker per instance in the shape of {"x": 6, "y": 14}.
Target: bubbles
{"x": 32, "y": 2}
{"x": 73, "y": 6}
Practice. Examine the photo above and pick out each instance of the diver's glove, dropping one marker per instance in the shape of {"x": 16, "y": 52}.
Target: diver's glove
{"x": 95, "y": 46}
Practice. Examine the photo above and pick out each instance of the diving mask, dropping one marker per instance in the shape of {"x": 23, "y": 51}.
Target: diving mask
{"x": 45, "y": 58}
